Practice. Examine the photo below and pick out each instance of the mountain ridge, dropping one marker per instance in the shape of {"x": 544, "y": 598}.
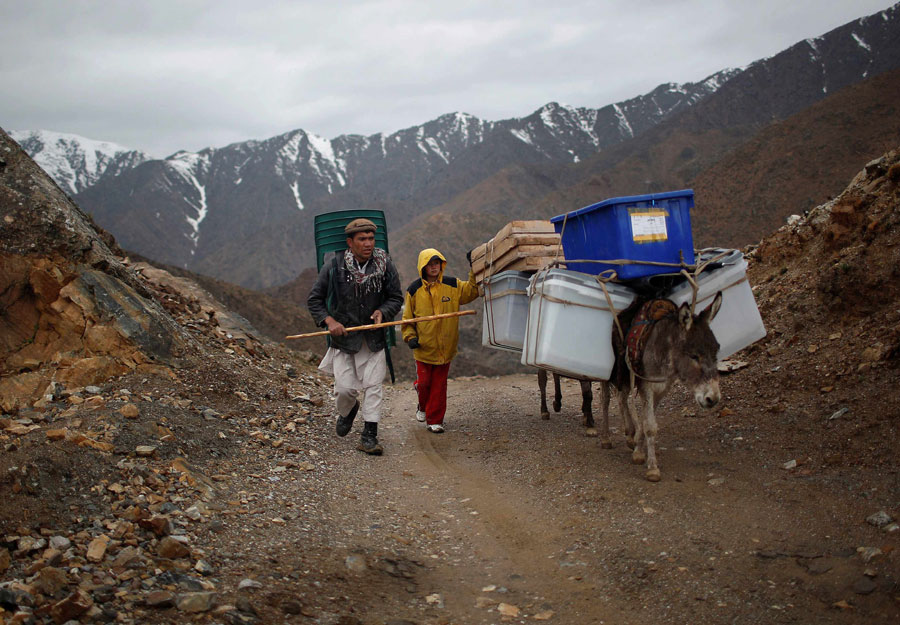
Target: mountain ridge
{"x": 244, "y": 212}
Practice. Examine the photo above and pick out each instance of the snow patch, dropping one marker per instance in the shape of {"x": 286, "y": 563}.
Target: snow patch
{"x": 623, "y": 121}
{"x": 296, "y": 191}
{"x": 188, "y": 165}
{"x": 325, "y": 158}
{"x": 521, "y": 135}
{"x": 862, "y": 44}
{"x": 436, "y": 148}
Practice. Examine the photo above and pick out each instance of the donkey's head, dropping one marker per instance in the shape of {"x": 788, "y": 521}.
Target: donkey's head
{"x": 694, "y": 356}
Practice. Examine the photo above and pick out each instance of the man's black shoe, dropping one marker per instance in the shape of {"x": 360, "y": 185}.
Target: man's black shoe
{"x": 345, "y": 423}
{"x": 368, "y": 442}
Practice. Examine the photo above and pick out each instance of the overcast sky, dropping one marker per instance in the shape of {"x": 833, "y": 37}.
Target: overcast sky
{"x": 165, "y": 75}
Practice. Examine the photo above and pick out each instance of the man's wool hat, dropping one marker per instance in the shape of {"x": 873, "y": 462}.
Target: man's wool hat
{"x": 359, "y": 225}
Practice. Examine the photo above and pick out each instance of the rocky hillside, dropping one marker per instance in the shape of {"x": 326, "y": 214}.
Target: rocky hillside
{"x": 272, "y": 315}
{"x": 827, "y": 287}
{"x": 123, "y": 388}
{"x": 73, "y": 314}
{"x": 795, "y": 165}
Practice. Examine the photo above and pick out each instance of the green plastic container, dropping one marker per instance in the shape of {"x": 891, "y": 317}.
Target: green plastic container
{"x": 329, "y": 231}
{"x": 330, "y": 237}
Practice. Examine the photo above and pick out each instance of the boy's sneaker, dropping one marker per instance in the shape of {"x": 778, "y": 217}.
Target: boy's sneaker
{"x": 436, "y": 428}
{"x": 420, "y": 415}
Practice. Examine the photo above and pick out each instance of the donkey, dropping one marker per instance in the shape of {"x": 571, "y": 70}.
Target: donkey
{"x": 677, "y": 346}
{"x": 587, "y": 418}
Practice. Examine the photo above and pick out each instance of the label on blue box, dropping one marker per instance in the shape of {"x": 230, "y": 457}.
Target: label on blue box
{"x": 648, "y": 225}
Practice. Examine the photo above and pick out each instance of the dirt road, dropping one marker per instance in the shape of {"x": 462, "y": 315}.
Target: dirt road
{"x": 508, "y": 518}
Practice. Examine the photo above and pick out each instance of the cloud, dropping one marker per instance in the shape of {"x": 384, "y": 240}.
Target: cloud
{"x": 169, "y": 74}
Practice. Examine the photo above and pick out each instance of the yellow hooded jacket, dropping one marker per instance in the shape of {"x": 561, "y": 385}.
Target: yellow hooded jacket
{"x": 438, "y": 339}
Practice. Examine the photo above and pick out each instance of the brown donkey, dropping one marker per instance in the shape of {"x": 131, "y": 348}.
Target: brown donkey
{"x": 677, "y": 346}
{"x": 587, "y": 419}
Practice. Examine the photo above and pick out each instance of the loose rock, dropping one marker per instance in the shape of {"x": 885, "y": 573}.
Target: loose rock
{"x": 71, "y": 607}
{"x": 356, "y": 563}
{"x": 196, "y": 601}
{"x": 864, "y": 586}
{"x": 249, "y": 584}
{"x": 60, "y": 542}
{"x": 144, "y": 451}
{"x": 97, "y": 549}
{"x": 160, "y": 599}
{"x": 879, "y": 519}
{"x": 50, "y": 581}
{"x": 172, "y": 548}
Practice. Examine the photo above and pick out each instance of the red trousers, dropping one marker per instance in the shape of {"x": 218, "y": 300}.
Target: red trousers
{"x": 431, "y": 385}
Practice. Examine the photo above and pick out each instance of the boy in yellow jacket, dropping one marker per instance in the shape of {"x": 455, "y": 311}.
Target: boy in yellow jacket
{"x": 434, "y": 343}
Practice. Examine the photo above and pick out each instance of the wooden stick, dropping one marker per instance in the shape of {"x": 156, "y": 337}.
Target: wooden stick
{"x": 375, "y": 326}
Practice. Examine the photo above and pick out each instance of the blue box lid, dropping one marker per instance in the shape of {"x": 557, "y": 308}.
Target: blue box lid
{"x": 628, "y": 199}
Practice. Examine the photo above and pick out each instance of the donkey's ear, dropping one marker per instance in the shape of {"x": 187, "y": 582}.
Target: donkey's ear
{"x": 709, "y": 313}
{"x": 684, "y": 316}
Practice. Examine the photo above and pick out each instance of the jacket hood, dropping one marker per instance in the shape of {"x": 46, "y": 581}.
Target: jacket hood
{"x": 425, "y": 256}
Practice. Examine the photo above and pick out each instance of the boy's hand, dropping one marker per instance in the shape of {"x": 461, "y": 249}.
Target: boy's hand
{"x": 376, "y": 316}
{"x": 413, "y": 343}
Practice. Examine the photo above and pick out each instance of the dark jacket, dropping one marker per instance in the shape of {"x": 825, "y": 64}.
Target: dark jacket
{"x": 351, "y": 311}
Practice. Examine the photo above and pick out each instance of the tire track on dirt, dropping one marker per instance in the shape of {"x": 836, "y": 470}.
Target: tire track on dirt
{"x": 515, "y": 540}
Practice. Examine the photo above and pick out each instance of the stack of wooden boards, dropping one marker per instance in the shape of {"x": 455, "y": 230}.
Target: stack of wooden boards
{"x": 520, "y": 246}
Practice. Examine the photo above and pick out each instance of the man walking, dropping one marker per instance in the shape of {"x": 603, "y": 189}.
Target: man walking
{"x": 359, "y": 286}
{"x": 434, "y": 343}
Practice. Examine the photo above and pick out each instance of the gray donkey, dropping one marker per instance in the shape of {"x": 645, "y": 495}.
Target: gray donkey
{"x": 663, "y": 343}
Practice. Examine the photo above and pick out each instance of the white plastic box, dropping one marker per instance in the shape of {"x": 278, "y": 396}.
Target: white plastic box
{"x": 570, "y": 323}
{"x": 505, "y": 310}
{"x": 738, "y": 323}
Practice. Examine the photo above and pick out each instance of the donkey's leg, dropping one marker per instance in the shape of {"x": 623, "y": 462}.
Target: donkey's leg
{"x": 587, "y": 397}
{"x": 557, "y": 397}
{"x": 628, "y": 412}
{"x": 542, "y": 383}
{"x": 651, "y": 428}
{"x": 632, "y": 412}
{"x": 638, "y": 455}
{"x": 605, "y": 441}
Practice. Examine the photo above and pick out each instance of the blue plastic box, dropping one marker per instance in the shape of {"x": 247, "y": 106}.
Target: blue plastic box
{"x": 654, "y": 227}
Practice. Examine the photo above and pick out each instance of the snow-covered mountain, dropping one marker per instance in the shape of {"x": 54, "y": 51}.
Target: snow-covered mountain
{"x": 186, "y": 207}
{"x": 249, "y": 206}
{"x": 75, "y": 162}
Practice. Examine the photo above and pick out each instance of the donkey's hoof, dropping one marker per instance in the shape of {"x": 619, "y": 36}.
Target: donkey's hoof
{"x": 638, "y": 457}
{"x": 590, "y": 432}
{"x": 630, "y": 443}
{"x": 557, "y": 406}
{"x": 653, "y": 475}
{"x": 545, "y": 416}
{"x": 605, "y": 444}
